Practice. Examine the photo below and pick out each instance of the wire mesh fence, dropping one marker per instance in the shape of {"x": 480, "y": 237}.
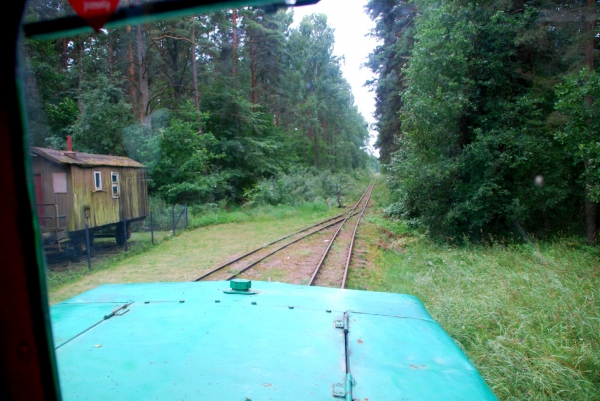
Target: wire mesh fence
{"x": 172, "y": 218}
{"x": 87, "y": 248}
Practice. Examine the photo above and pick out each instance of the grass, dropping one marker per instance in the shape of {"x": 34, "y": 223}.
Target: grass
{"x": 140, "y": 242}
{"x": 254, "y": 214}
{"x": 528, "y": 318}
{"x": 189, "y": 254}
{"x": 272, "y": 275}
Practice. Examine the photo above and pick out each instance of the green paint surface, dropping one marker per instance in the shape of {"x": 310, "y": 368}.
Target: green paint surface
{"x": 234, "y": 350}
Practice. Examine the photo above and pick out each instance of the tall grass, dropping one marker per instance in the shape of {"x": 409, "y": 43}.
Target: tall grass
{"x": 528, "y": 317}
{"x": 246, "y": 214}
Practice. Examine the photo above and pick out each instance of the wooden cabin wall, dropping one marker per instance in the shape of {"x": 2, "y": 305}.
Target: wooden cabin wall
{"x": 104, "y": 209}
{"x": 134, "y": 196}
{"x": 143, "y": 190}
{"x": 64, "y": 200}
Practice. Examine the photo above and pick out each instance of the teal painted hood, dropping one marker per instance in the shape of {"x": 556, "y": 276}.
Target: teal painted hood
{"x": 191, "y": 341}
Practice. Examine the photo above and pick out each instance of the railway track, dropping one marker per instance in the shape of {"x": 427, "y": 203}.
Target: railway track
{"x": 327, "y": 274}
{"x": 245, "y": 266}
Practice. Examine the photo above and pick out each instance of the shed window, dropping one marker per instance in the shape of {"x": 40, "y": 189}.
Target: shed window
{"x": 59, "y": 183}
{"x": 97, "y": 181}
{"x": 114, "y": 180}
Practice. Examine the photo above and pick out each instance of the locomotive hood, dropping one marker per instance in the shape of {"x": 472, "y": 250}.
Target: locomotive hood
{"x": 278, "y": 341}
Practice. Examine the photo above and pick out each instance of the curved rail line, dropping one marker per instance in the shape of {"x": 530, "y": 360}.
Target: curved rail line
{"x": 338, "y": 219}
{"x": 318, "y": 268}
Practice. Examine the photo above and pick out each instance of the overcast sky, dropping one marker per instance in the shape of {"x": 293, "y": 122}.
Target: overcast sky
{"x": 351, "y": 25}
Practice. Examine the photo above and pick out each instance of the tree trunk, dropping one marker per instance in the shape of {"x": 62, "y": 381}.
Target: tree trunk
{"x": 80, "y": 55}
{"x": 195, "y": 76}
{"x": 234, "y": 50}
{"x": 325, "y": 140}
{"x": 316, "y": 161}
{"x": 313, "y": 136}
{"x": 65, "y": 55}
{"x": 143, "y": 85}
{"x": 591, "y": 224}
{"x": 253, "y": 71}
{"x": 175, "y": 83}
{"x": 132, "y": 88}
{"x": 591, "y": 208}
{"x": 111, "y": 69}
{"x": 131, "y": 71}
{"x": 589, "y": 45}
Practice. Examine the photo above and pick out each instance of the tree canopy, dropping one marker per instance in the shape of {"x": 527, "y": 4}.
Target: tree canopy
{"x": 488, "y": 113}
{"x": 211, "y": 104}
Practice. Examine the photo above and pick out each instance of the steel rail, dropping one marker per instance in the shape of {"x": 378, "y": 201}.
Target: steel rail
{"x": 285, "y": 246}
{"x": 216, "y": 269}
{"x": 314, "y": 275}
{"x": 349, "y": 257}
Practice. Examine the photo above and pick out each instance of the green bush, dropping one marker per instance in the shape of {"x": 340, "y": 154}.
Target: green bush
{"x": 303, "y": 185}
{"x": 476, "y": 155}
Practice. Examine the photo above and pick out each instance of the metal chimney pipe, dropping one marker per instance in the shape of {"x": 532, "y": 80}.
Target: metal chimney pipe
{"x": 69, "y": 152}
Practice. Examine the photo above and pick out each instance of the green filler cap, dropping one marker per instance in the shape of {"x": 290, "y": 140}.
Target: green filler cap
{"x": 240, "y": 284}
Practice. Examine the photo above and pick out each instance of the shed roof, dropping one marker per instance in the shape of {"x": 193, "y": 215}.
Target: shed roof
{"x": 85, "y": 159}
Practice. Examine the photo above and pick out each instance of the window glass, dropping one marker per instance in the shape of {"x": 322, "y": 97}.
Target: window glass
{"x": 97, "y": 181}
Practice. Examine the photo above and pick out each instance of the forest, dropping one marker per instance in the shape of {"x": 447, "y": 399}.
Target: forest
{"x": 488, "y": 115}
{"x": 215, "y": 105}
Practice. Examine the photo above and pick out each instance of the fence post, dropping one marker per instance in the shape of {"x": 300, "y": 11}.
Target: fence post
{"x": 125, "y": 233}
{"x": 186, "y": 217}
{"x": 173, "y": 219}
{"x": 151, "y": 228}
{"x": 87, "y": 246}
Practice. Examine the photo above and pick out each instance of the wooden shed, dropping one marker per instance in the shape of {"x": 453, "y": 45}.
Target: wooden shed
{"x": 74, "y": 189}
